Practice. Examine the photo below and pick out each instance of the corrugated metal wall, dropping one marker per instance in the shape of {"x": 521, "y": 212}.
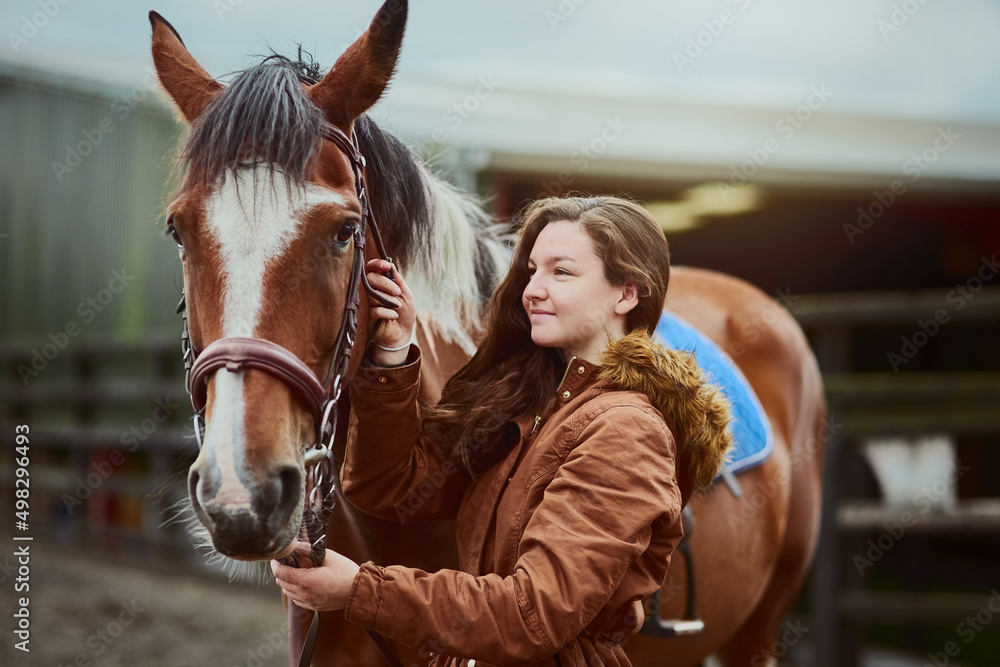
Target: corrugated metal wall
{"x": 82, "y": 183}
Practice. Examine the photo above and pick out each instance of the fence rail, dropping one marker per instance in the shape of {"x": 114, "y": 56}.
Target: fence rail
{"x": 110, "y": 443}
{"x": 880, "y": 404}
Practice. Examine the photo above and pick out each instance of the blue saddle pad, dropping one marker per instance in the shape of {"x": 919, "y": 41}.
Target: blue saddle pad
{"x": 752, "y": 436}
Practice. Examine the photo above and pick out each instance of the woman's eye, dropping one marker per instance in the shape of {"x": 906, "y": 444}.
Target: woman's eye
{"x": 347, "y": 230}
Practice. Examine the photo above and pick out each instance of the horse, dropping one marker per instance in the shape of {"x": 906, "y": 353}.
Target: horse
{"x": 267, "y": 220}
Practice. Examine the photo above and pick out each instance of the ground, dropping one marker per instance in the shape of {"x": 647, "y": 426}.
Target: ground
{"x": 96, "y": 611}
{"x": 90, "y": 611}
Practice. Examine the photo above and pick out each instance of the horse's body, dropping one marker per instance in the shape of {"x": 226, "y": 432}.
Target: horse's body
{"x": 248, "y": 484}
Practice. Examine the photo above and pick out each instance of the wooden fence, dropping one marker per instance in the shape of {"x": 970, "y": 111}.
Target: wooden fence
{"x": 110, "y": 443}
{"x": 865, "y": 404}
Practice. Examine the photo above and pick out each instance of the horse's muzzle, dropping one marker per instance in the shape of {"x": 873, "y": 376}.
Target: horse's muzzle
{"x": 255, "y": 526}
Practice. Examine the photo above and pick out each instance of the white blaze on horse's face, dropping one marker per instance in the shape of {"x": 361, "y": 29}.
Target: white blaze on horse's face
{"x": 254, "y": 227}
{"x": 253, "y": 219}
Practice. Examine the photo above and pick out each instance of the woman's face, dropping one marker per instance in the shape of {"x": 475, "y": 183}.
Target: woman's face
{"x": 569, "y": 302}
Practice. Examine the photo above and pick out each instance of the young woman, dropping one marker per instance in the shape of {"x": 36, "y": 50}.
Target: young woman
{"x": 566, "y": 449}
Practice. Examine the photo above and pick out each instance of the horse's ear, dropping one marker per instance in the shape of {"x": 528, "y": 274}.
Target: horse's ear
{"x": 188, "y": 84}
{"x": 360, "y": 76}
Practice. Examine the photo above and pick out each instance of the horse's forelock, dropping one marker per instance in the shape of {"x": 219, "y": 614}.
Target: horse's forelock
{"x": 263, "y": 117}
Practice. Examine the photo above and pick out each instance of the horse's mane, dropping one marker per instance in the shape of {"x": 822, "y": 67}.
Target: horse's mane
{"x": 441, "y": 238}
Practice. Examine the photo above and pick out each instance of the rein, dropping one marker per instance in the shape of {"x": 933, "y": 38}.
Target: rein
{"x": 322, "y": 397}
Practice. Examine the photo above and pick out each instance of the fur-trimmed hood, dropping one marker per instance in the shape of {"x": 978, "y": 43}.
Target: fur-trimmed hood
{"x": 674, "y": 384}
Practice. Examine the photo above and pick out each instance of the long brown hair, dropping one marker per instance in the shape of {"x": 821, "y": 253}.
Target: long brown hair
{"x": 510, "y": 376}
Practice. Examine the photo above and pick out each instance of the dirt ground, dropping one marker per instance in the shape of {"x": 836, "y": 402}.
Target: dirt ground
{"x": 87, "y": 611}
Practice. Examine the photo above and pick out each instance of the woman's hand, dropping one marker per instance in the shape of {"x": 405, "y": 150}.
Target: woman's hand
{"x": 324, "y": 588}
{"x": 396, "y": 329}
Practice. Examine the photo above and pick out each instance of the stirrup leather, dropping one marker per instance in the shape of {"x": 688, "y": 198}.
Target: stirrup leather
{"x": 654, "y": 626}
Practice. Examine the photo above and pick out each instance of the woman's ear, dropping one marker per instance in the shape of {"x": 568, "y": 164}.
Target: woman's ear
{"x": 629, "y": 298}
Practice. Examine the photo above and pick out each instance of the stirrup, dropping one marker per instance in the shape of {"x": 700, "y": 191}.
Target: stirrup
{"x": 654, "y": 626}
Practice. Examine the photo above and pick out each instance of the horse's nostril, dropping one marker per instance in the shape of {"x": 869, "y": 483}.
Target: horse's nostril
{"x": 290, "y": 477}
{"x": 282, "y": 495}
{"x": 193, "y": 492}
{"x": 200, "y": 497}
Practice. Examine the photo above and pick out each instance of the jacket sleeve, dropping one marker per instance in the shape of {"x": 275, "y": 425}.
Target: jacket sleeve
{"x": 389, "y": 469}
{"x": 595, "y": 520}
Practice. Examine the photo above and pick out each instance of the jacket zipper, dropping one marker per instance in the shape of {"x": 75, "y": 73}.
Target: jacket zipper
{"x": 503, "y": 487}
{"x": 569, "y": 365}
{"x": 538, "y": 418}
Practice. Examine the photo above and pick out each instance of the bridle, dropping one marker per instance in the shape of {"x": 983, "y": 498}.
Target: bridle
{"x": 322, "y": 397}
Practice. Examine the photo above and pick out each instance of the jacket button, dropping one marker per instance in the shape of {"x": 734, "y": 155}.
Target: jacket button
{"x": 381, "y": 379}
{"x": 581, "y": 370}
{"x": 565, "y": 394}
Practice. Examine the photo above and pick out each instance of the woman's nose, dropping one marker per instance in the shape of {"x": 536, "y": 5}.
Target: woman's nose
{"x": 533, "y": 291}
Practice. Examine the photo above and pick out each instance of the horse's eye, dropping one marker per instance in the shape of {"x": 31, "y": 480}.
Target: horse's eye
{"x": 174, "y": 234}
{"x": 346, "y": 232}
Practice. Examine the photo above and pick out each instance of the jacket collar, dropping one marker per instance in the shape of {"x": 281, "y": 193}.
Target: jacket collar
{"x": 579, "y": 375}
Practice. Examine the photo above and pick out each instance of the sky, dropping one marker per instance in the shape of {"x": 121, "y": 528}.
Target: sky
{"x": 915, "y": 59}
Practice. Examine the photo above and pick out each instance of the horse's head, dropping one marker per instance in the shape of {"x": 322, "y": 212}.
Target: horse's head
{"x": 266, "y": 219}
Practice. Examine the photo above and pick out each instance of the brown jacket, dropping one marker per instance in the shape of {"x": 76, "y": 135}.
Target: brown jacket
{"x": 560, "y": 541}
